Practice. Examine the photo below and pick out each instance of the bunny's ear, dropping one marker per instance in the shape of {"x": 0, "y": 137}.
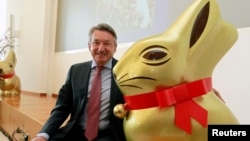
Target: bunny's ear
{"x": 211, "y": 38}
{"x": 202, "y": 36}
{"x": 199, "y": 24}
{"x": 11, "y": 57}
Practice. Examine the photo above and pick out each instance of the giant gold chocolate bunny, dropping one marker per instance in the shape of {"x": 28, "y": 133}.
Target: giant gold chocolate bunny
{"x": 166, "y": 79}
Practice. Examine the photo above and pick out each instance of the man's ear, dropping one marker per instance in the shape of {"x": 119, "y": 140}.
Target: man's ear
{"x": 89, "y": 46}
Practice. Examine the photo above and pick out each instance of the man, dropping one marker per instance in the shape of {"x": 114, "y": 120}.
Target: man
{"x": 74, "y": 95}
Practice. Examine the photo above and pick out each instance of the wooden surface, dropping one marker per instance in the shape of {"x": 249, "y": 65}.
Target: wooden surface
{"x": 28, "y": 110}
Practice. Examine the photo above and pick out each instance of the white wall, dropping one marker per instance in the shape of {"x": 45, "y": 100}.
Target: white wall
{"x": 2, "y": 17}
{"x": 231, "y": 76}
{"x": 34, "y": 25}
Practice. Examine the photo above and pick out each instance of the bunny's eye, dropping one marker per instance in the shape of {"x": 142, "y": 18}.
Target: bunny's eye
{"x": 154, "y": 55}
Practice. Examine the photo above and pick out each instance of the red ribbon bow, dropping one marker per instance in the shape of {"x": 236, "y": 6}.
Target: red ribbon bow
{"x": 5, "y": 76}
{"x": 180, "y": 96}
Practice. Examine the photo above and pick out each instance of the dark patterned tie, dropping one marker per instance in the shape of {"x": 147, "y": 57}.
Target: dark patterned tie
{"x": 93, "y": 111}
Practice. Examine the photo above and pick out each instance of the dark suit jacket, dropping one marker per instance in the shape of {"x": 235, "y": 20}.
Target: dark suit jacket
{"x": 72, "y": 99}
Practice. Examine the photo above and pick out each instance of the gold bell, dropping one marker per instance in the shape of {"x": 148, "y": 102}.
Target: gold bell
{"x": 120, "y": 111}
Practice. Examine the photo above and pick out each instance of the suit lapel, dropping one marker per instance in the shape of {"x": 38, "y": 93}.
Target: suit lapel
{"x": 114, "y": 90}
{"x": 85, "y": 71}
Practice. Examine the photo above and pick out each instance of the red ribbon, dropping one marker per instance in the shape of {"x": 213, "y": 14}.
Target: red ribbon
{"x": 5, "y": 76}
{"x": 180, "y": 96}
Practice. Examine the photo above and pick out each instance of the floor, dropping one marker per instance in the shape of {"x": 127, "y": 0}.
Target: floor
{"x": 28, "y": 110}
{"x": 4, "y": 136}
{"x": 34, "y": 105}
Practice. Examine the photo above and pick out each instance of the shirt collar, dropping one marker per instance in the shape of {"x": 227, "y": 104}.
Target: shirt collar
{"x": 107, "y": 65}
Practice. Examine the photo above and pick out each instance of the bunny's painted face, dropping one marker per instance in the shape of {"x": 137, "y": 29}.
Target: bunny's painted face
{"x": 148, "y": 64}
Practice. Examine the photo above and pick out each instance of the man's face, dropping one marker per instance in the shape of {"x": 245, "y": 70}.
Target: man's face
{"x": 102, "y": 46}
